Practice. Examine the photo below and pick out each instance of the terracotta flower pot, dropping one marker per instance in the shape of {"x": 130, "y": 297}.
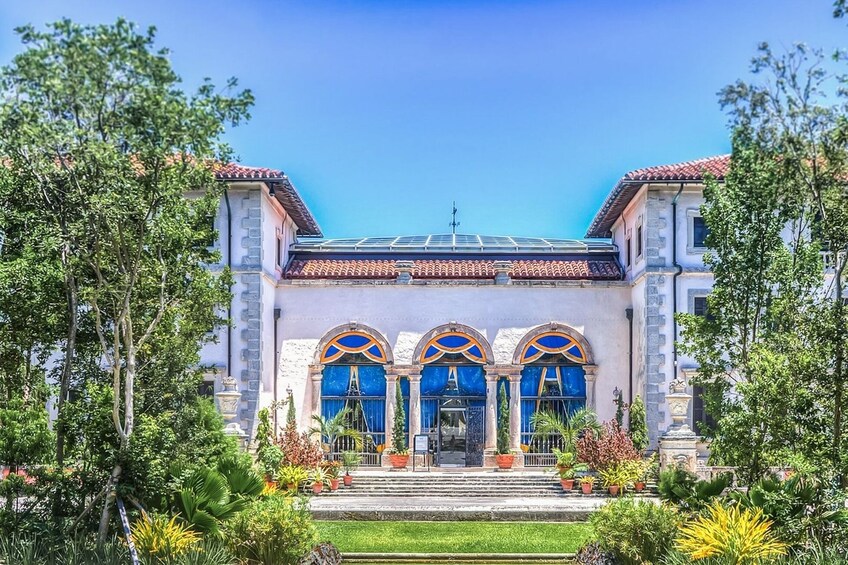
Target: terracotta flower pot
{"x": 586, "y": 488}
{"x": 567, "y": 484}
{"x": 639, "y": 487}
{"x": 348, "y": 480}
{"x": 399, "y": 461}
{"x": 317, "y": 488}
{"x": 505, "y": 461}
{"x": 613, "y": 490}
{"x": 334, "y": 484}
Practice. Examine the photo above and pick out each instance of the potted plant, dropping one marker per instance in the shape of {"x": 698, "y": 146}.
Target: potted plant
{"x": 329, "y": 430}
{"x": 587, "y": 483}
{"x": 504, "y": 456}
{"x": 567, "y": 467}
{"x": 616, "y": 478}
{"x": 291, "y": 476}
{"x": 317, "y": 478}
{"x": 333, "y": 469}
{"x": 350, "y": 461}
{"x": 399, "y": 452}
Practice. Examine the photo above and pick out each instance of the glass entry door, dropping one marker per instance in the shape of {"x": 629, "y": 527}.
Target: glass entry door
{"x": 453, "y": 428}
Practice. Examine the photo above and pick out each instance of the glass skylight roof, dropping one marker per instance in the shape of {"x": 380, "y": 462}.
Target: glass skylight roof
{"x": 445, "y": 243}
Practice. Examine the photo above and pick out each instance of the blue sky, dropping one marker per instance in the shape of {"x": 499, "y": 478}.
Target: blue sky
{"x": 525, "y": 113}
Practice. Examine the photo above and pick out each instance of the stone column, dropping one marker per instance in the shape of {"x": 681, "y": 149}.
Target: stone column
{"x": 391, "y": 399}
{"x": 679, "y": 445}
{"x": 414, "y": 403}
{"x": 514, "y": 376}
{"x": 490, "y": 443}
{"x": 391, "y": 407}
{"x": 590, "y": 374}
{"x": 316, "y": 375}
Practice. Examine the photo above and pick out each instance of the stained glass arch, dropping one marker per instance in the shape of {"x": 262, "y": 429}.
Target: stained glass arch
{"x": 453, "y": 340}
{"x": 553, "y": 339}
{"x": 353, "y": 339}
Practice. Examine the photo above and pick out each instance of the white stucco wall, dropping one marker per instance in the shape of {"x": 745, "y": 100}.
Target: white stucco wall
{"x": 503, "y": 314}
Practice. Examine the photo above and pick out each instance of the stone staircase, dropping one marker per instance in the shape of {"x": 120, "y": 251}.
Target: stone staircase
{"x": 443, "y": 485}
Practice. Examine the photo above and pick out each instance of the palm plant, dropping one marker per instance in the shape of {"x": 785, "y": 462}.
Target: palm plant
{"x": 207, "y": 498}
{"x": 331, "y": 429}
{"x": 568, "y": 427}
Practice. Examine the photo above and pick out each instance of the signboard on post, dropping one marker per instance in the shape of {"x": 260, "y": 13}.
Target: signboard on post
{"x": 421, "y": 444}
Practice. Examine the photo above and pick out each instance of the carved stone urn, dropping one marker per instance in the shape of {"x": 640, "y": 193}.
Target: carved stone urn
{"x": 228, "y": 405}
{"x": 678, "y": 406}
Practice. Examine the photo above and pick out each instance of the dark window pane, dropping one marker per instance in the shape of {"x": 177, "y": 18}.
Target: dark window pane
{"x": 628, "y": 253}
{"x": 206, "y": 388}
{"x": 699, "y": 232}
{"x": 700, "y": 417}
{"x": 638, "y": 241}
{"x": 700, "y": 306}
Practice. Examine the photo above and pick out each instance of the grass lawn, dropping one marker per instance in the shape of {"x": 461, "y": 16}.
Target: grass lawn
{"x": 455, "y": 537}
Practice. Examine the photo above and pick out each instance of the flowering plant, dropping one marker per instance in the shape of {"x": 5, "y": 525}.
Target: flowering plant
{"x": 610, "y": 447}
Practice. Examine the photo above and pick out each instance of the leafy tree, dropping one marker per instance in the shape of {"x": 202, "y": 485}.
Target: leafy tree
{"x": 503, "y": 424}
{"x": 399, "y": 444}
{"x": 772, "y": 350}
{"x": 96, "y": 132}
{"x": 638, "y": 424}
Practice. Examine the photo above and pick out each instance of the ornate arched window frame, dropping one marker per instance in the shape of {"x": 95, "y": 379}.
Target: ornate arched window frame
{"x": 576, "y": 343}
{"x": 331, "y": 347}
{"x": 424, "y": 355}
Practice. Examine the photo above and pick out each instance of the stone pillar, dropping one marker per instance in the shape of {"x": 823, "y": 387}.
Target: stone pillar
{"x": 316, "y": 375}
{"x": 590, "y": 374}
{"x": 490, "y": 443}
{"x": 391, "y": 399}
{"x": 228, "y": 405}
{"x": 414, "y": 403}
{"x": 514, "y": 376}
{"x": 679, "y": 445}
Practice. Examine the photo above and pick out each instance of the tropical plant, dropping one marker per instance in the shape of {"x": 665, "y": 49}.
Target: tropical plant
{"x": 567, "y": 464}
{"x": 737, "y": 535}
{"x": 610, "y": 447}
{"x": 332, "y": 468}
{"x": 162, "y": 539}
{"x": 588, "y": 480}
{"x": 329, "y": 430}
{"x": 635, "y": 532}
{"x": 350, "y": 461}
{"x": 801, "y": 508}
{"x": 399, "y": 445}
{"x": 319, "y": 476}
{"x": 679, "y": 486}
{"x": 205, "y": 498}
{"x": 617, "y": 475}
{"x": 292, "y": 475}
{"x": 638, "y": 425}
{"x": 270, "y": 457}
{"x": 568, "y": 427}
{"x": 502, "y": 445}
{"x": 273, "y": 531}
{"x": 299, "y": 448}
{"x": 242, "y": 480}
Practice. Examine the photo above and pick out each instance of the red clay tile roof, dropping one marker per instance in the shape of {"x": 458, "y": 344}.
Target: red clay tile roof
{"x": 530, "y": 269}
{"x": 629, "y": 185}
{"x": 285, "y": 192}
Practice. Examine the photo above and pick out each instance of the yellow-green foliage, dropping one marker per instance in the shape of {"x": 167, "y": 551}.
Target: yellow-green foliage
{"x": 162, "y": 539}
{"x": 737, "y": 536}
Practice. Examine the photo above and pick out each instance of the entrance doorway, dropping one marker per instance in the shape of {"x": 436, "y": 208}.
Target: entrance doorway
{"x": 460, "y": 433}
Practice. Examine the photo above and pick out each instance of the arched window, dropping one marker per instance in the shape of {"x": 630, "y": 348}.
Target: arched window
{"x": 354, "y": 378}
{"x": 453, "y": 396}
{"x": 553, "y": 381}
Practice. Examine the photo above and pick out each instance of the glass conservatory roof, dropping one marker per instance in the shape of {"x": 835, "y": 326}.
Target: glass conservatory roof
{"x": 465, "y": 243}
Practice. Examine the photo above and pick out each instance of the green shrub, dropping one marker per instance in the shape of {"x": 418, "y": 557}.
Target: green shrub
{"x": 273, "y": 531}
{"x": 638, "y": 425}
{"x": 679, "y": 486}
{"x": 635, "y": 532}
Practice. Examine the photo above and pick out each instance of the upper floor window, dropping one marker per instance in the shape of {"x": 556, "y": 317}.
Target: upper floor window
{"x": 279, "y": 249}
{"x": 639, "y": 244}
{"x": 700, "y": 306}
{"x": 697, "y": 231}
{"x": 628, "y": 252}
{"x": 701, "y": 419}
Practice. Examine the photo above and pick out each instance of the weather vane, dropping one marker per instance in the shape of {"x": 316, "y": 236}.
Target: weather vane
{"x": 454, "y": 224}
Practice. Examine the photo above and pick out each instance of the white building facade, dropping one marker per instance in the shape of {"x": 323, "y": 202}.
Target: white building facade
{"x": 455, "y": 321}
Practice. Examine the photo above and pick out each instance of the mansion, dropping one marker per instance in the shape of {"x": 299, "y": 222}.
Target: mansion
{"x": 456, "y": 320}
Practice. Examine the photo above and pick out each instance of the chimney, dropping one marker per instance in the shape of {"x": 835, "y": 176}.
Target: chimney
{"x": 502, "y": 269}
{"x": 404, "y": 271}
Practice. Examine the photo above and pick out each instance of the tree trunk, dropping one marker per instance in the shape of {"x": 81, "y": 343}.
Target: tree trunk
{"x": 108, "y": 502}
{"x": 67, "y": 370}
